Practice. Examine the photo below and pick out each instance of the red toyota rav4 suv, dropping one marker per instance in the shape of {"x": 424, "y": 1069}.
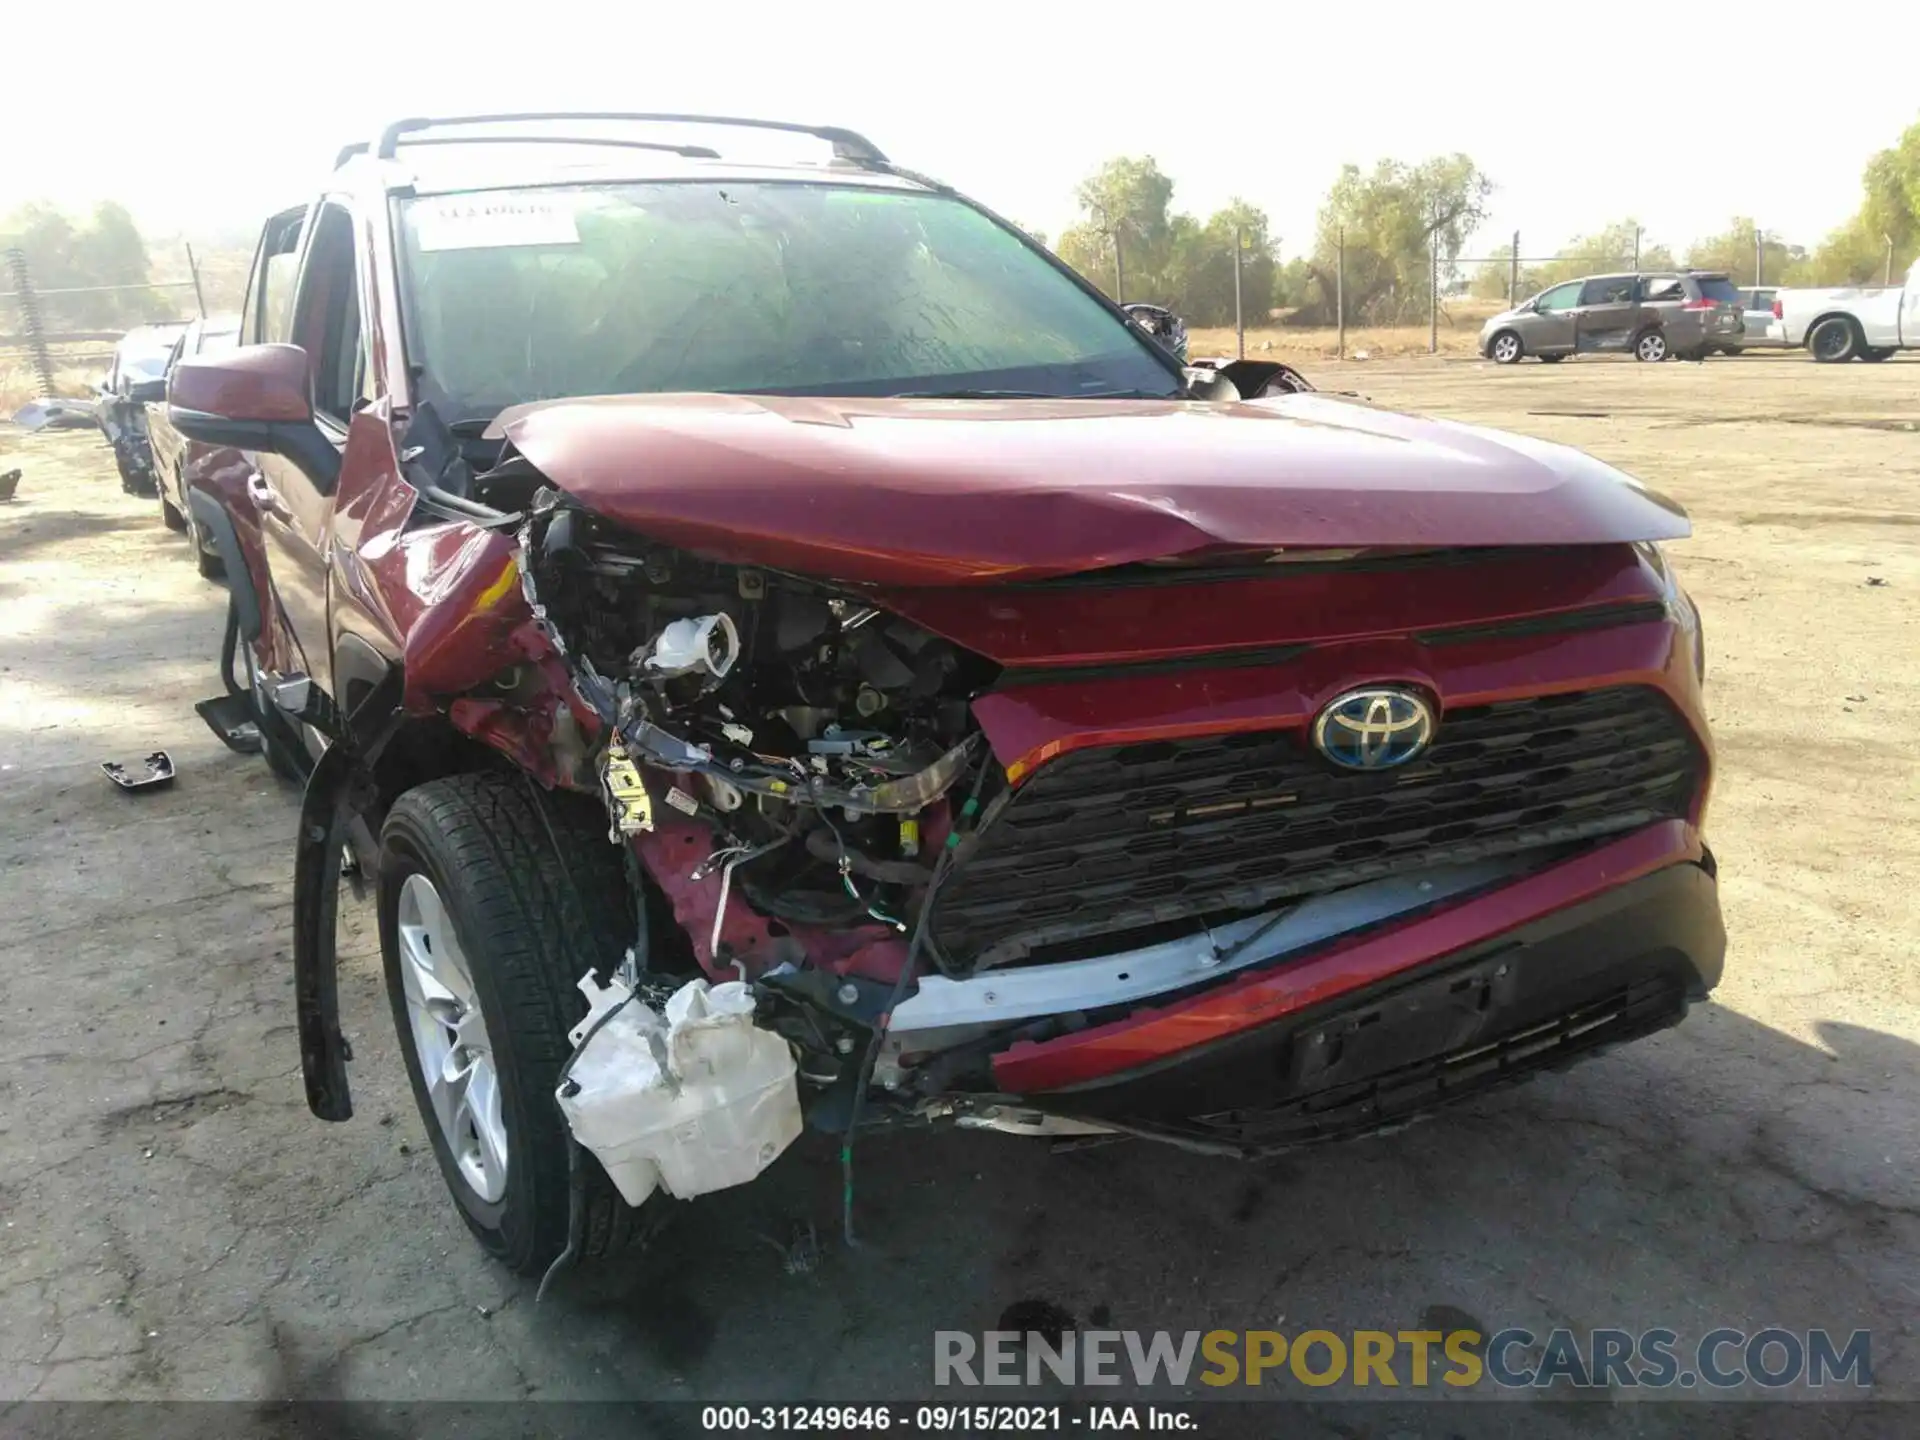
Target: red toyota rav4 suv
{"x": 662, "y": 566}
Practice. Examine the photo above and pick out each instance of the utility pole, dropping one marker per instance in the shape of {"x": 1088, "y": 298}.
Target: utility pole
{"x": 1112, "y": 233}
{"x": 1340, "y": 287}
{"x": 1239, "y": 317}
{"x": 1513, "y": 272}
{"x": 1637, "y": 232}
{"x": 1433, "y": 290}
{"x": 1759, "y": 257}
{"x": 1433, "y": 274}
{"x": 1887, "y": 279}
{"x": 199, "y": 299}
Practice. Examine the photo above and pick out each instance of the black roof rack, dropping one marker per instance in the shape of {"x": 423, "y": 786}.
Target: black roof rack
{"x": 847, "y": 144}
{"x": 689, "y": 152}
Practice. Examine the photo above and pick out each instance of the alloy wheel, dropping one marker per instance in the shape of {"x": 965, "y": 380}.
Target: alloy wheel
{"x": 450, "y": 1039}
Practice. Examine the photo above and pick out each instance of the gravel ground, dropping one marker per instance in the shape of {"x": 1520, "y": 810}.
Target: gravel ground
{"x": 175, "y": 1225}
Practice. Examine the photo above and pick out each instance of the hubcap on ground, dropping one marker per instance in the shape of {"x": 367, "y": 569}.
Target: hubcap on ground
{"x": 450, "y": 1038}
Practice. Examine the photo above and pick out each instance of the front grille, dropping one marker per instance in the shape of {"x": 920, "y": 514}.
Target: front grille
{"x": 1103, "y": 842}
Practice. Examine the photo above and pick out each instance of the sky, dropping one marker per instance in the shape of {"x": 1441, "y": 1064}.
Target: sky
{"x": 213, "y": 114}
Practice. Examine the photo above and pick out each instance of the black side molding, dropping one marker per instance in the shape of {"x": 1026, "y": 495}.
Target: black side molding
{"x": 214, "y": 519}
{"x": 327, "y": 812}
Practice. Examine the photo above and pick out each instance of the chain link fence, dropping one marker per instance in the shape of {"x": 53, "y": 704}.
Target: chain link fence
{"x": 58, "y": 328}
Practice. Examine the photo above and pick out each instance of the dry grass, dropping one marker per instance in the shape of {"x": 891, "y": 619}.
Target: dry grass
{"x": 19, "y": 384}
{"x": 1460, "y": 321}
{"x": 1279, "y": 342}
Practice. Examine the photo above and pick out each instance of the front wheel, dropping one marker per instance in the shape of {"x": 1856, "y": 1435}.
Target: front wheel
{"x": 1650, "y": 347}
{"x": 1506, "y": 348}
{"x": 206, "y": 556}
{"x": 492, "y": 903}
{"x": 170, "y": 516}
{"x": 1834, "y": 340}
{"x": 132, "y": 481}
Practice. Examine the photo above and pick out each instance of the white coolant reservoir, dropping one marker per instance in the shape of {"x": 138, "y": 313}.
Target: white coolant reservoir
{"x": 694, "y": 1100}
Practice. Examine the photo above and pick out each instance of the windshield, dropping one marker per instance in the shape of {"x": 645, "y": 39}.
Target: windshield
{"x": 782, "y": 288}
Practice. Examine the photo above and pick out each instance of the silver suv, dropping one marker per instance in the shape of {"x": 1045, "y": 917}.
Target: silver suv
{"x": 1688, "y": 314}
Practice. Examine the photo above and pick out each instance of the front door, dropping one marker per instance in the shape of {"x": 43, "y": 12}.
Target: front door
{"x": 1549, "y": 330}
{"x": 296, "y": 508}
{"x": 1605, "y": 318}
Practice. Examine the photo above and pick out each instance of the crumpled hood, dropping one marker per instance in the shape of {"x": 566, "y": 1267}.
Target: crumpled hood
{"x": 917, "y": 492}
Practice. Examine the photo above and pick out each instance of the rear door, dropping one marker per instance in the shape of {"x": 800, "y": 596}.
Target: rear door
{"x": 266, "y": 318}
{"x": 296, "y": 508}
{"x": 1605, "y": 318}
{"x": 1757, "y": 314}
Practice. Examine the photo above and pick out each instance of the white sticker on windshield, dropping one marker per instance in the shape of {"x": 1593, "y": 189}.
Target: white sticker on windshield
{"x": 490, "y": 222}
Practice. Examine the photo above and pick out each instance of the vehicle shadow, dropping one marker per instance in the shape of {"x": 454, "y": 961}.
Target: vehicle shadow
{"x": 1723, "y": 1174}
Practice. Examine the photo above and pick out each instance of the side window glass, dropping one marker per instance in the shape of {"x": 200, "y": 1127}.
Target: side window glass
{"x": 1663, "y": 287}
{"x": 1561, "y": 297}
{"x": 1608, "y": 290}
{"x": 327, "y": 325}
{"x": 270, "y": 288}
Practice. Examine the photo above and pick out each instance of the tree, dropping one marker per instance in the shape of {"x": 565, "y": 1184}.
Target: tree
{"x": 1733, "y": 251}
{"x": 1884, "y": 233}
{"x": 1200, "y": 277}
{"x": 1394, "y": 219}
{"x": 61, "y": 255}
{"x": 1126, "y": 205}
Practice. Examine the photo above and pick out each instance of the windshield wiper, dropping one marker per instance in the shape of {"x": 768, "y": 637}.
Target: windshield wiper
{"x": 1025, "y": 395}
{"x": 973, "y": 395}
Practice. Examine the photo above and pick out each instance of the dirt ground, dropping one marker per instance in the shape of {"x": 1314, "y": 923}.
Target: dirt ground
{"x": 176, "y": 1225}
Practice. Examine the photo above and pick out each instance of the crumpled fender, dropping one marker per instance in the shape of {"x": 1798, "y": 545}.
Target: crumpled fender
{"x": 327, "y": 809}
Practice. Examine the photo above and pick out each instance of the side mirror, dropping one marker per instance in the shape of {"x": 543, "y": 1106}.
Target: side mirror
{"x": 254, "y": 398}
{"x": 146, "y": 392}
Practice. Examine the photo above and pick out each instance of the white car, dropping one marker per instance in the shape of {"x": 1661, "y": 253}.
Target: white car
{"x": 1850, "y": 322}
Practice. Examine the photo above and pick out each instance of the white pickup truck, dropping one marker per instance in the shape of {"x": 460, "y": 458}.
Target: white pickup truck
{"x": 1851, "y": 322}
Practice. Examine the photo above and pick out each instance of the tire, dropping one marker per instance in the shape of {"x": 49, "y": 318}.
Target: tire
{"x": 528, "y": 909}
{"x": 1650, "y": 346}
{"x": 131, "y": 481}
{"x": 1834, "y": 341}
{"x": 169, "y": 516}
{"x": 1506, "y": 348}
{"x": 1876, "y": 355}
{"x": 1551, "y": 359}
{"x": 205, "y": 558}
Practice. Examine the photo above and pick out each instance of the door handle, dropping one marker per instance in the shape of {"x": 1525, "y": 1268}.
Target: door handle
{"x": 264, "y": 498}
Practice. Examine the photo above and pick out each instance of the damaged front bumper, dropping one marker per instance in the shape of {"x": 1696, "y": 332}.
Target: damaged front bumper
{"x": 1377, "y": 1027}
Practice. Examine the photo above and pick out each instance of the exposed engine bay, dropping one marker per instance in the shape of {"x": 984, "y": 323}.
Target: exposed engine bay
{"x": 818, "y": 737}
